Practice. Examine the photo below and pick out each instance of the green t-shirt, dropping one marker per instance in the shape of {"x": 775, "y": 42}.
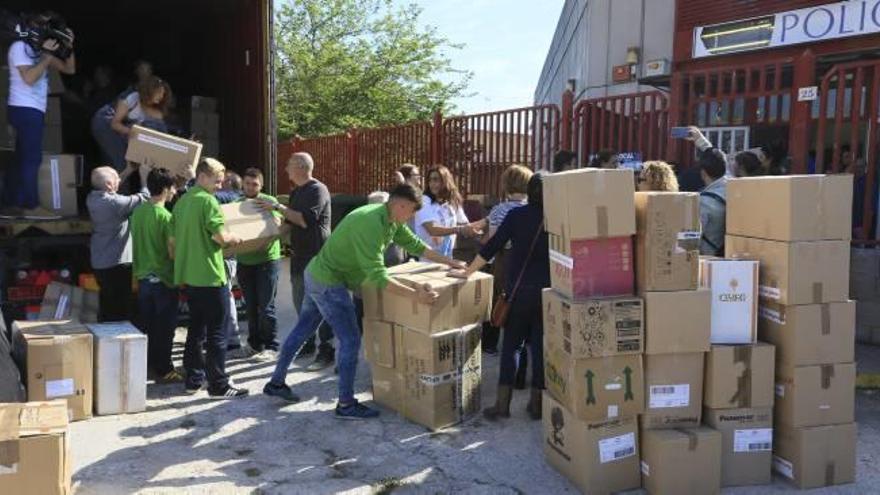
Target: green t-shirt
{"x": 355, "y": 252}
{"x": 150, "y": 230}
{"x": 198, "y": 260}
{"x": 271, "y": 252}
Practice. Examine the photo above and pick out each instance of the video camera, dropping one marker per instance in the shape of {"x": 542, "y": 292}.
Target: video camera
{"x": 36, "y": 29}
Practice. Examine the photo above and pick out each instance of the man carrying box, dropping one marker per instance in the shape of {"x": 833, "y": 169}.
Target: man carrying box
{"x": 352, "y": 257}
{"x": 198, "y": 264}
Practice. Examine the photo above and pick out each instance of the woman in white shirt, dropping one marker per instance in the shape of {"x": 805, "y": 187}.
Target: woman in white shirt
{"x": 442, "y": 217}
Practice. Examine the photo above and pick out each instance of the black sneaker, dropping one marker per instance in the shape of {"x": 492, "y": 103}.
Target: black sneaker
{"x": 325, "y": 359}
{"x": 306, "y": 350}
{"x": 229, "y": 393}
{"x": 193, "y": 388}
{"x": 280, "y": 391}
{"x": 355, "y": 410}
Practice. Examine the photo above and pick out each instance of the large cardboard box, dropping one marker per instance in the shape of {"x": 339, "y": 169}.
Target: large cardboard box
{"x": 746, "y": 444}
{"x": 791, "y": 208}
{"x": 595, "y": 389}
{"x": 34, "y": 448}
{"x": 57, "y": 181}
{"x": 56, "y": 357}
{"x": 460, "y": 302}
{"x": 797, "y": 272}
{"x": 815, "y": 395}
{"x": 596, "y": 327}
{"x": 156, "y": 149}
{"x": 63, "y": 301}
{"x": 817, "y": 456}
{"x": 867, "y": 323}
{"x": 598, "y": 458}
{"x": 739, "y": 376}
{"x": 681, "y": 461}
{"x": 810, "y": 334}
{"x": 734, "y": 286}
{"x": 668, "y": 241}
{"x": 32, "y": 418}
{"x": 589, "y": 268}
{"x": 255, "y": 226}
{"x": 120, "y": 368}
{"x": 673, "y": 390}
{"x": 864, "y": 274}
{"x": 677, "y": 322}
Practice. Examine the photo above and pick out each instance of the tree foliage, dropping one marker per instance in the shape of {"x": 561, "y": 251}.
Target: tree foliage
{"x": 358, "y": 63}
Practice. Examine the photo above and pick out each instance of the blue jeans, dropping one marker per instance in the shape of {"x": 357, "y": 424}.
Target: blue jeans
{"x": 112, "y": 144}
{"x": 20, "y": 187}
{"x": 260, "y": 284}
{"x": 206, "y": 313}
{"x": 333, "y": 304}
{"x": 230, "y": 321}
{"x": 298, "y": 289}
{"x": 157, "y": 305}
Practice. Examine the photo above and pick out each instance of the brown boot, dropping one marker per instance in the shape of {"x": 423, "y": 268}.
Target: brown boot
{"x": 534, "y": 406}
{"x": 501, "y": 409}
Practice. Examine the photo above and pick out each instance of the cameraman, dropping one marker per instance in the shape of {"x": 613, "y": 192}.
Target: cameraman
{"x": 29, "y": 62}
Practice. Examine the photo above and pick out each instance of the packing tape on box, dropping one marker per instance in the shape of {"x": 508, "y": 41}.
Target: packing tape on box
{"x": 830, "y": 471}
{"x": 9, "y": 456}
{"x": 56, "y": 183}
{"x": 827, "y": 375}
{"x": 693, "y": 439}
{"x": 602, "y": 221}
{"x": 125, "y": 358}
{"x": 825, "y": 309}
{"x": 817, "y": 292}
{"x": 742, "y": 397}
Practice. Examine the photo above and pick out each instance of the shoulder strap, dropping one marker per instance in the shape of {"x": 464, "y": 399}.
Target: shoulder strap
{"x": 526, "y": 262}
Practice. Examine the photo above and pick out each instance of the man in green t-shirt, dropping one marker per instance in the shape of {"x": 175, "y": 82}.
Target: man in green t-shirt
{"x": 258, "y": 277}
{"x": 198, "y": 243}
{"x": 154, "y": 271}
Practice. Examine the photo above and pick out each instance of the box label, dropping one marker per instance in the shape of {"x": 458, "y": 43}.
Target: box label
{"x": 780, "y": 390}
{"x": 666, "y": 396}
{"x": 566, "y": 261}
{"x": 59, "y": 388}
{"x": 169, "y": 145}
{"x": 688, "y": 240}
{"x": 616, "y": 448}
{"x": 783, "y": 467}
{"x": 753, "y": 440}
{"x": 769, "y": 292}
{"x": 628, "y": 324}
{"x": 772, "y": 315}
{"x": 646, "y": 469}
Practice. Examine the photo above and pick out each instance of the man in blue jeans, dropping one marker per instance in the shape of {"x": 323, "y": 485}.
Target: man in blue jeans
{"x": 352, "y": 257}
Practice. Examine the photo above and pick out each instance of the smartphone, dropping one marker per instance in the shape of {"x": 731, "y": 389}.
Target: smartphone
{"x": 679, "y": 132}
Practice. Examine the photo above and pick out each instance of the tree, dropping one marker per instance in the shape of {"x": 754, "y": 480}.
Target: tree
{"x": 358, "y": 63}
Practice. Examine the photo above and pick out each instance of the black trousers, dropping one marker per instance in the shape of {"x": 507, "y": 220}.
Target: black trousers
{"x": 114, "y": 298}
{"x": 207, "y": 309}
{"x": 524, "y": 324}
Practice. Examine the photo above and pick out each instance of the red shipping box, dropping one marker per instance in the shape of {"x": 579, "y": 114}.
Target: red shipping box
{"x": 595, "y": 268}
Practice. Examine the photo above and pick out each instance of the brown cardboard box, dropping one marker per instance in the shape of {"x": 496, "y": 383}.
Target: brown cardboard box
{"x": 867, "y": 323}
{"x": 256, "y": 227}
{"x": 746, "y": 444}
{"x": 791, "y": 208}
{"x": 590, "y": 268}
{"x": 461, "y": 302}
{"x": 57, "y": 182}
{"x": 33, "y": 448}
{"x": 864, "y": 274}
{"x": 817, "y": 456}
{"x": 681, "y": 461}
{"x": 590, "y": 203}
{"x": 32, "y": 418}
{"x": 668, "y": 241}
{"x": 598, "y": 458}
{"x": 387, "y": 387}
{"x": 809, "y": 334}
{"x": 797, "y": 272}
{"x": 595, "y": 389}
{"x": 378, "y": 343}
{"x": 156, "y": 149}
{"x": 815, "y": 395}
{"x": 673, "y": 390}
{"x": 734, "y": 287}
{"x": 63, "y": 301}
{"x": 57, "y": 359}
{"x": 739, "y": 376}
{"x": 677, "y": 322}
{"x": 593, "y": 328}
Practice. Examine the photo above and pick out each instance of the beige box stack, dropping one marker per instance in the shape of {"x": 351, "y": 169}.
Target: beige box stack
{"x": 426, "y": 360}
{"x": 798, "y": 227}
{"x": 864, "y": 288}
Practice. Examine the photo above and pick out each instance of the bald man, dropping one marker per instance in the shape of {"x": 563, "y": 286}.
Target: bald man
{"x": 111, "y": 241}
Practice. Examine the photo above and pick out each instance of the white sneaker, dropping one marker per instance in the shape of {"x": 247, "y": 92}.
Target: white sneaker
{"x": 267, "y": 355}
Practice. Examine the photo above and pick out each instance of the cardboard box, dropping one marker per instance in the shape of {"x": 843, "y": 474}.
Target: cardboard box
{"x": 590, "y": 203}
{"x": 57, "y": 181}
{"x": 56, "y": 357}
{"x": 156, "y": 149}
{"x": 34, "y": 448}
{"x": 387, "y": 387}
{"x": 791, "y": 208}
{"x": 797, "y": 272}
{"x": 734, "y": 286}
{"x": 595, "y": 389}
{"x": 378, "y": 342}
{"x": 739, "y": 376}
{"x": 593, "y": 328}
{"x": 810, "y": 334}
{"x": 255, "y": 226}
{"x": 63, "y": 301}
{"x": 120, "y": 368}
{"x": 681, "y": 461}
{"x": 598, "y": 458}
{"x": 668, "y": 241}
{"x": 815, "y": 395}
{"x": 677, "y": 322}
{"x": 864, "y": 274}
{"x": 817, "y": 456}
{"x": 32, "y": 418}
{"x": 588, "y": 268}
{"x": 867, "y": 323}
{"x": 673, "y": 390}
{"x": 746, "y": 444}
{"x": 461, "y": 302}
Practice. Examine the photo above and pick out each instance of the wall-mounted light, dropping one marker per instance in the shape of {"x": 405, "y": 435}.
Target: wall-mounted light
{"x": 632, "y": 55}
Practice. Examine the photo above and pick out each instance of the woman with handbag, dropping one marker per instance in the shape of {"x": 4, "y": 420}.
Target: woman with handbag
{"x": 518, "y": 311}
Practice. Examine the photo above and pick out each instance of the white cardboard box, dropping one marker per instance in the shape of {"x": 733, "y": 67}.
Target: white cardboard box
{"x": 734, "y": 286}
{"x": 120, "y": 368}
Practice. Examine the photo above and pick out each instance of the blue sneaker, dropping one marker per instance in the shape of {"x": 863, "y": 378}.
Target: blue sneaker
{"x": 281, "y": 391}
{"x": 355, "y": 410}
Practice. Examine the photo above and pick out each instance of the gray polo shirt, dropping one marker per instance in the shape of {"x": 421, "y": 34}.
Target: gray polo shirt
{"x": 111, "y": 233}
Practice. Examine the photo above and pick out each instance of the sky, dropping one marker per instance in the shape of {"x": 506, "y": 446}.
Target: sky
{"x": 506, "y": 42}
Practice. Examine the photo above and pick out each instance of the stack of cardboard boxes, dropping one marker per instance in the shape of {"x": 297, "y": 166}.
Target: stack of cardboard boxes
{"x": 426, "y": 360}
{"x": 798, "y": 227}
{"x": 593, "y": 331}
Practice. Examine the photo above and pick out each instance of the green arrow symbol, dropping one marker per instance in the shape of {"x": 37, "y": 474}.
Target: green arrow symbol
{"x": 591, "y": 397}
{"x": 628, "y": 394}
